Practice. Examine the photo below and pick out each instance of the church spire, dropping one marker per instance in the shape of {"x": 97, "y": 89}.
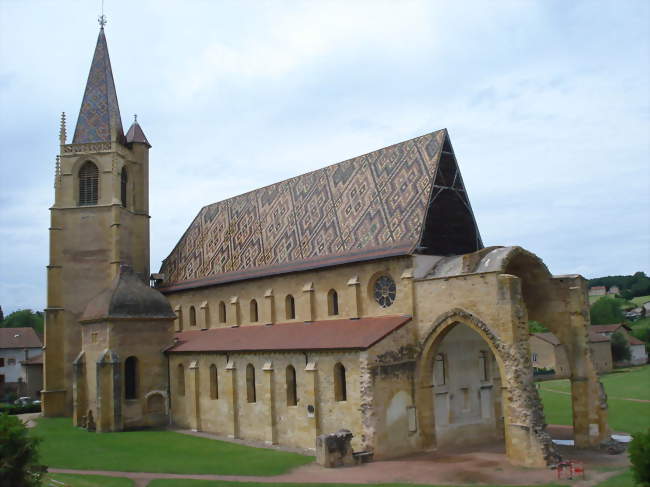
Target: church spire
{"x": 99, "y": 117}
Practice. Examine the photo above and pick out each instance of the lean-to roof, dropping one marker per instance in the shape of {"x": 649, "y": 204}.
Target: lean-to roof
{"x": 318, "y": 335}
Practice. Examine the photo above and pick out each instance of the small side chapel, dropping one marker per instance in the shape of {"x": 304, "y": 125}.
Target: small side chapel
{"x": 358, "y": 296}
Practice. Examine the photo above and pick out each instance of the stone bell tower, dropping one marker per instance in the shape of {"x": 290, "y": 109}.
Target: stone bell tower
{"x": 99, "y": 221}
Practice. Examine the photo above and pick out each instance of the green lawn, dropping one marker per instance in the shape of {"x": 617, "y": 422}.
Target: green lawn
{"x": 625, "y": 479}
{"x": 64, "y": 446}
{"x": 87, "y": 481}
{"x": 625, "y": 416}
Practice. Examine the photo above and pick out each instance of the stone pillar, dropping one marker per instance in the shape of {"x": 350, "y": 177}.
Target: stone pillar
{"x": 194, "y": 396}
{"x": 527, "y": 442}
{"x": 589, "y": 402}
{"x": 311, "y": 399}
{"x": 268, "y": 317}
{"x": 268, "y": 396}
{"x": 178, "y": 322}
{"x": 234, "y": 318}
{"x": 231, "y": 392}
{"x": 109, "y": 393}
{"x": 205, "y": 315}
{"x": 308, "y": 302}
{"x": 79, "y": 390}
{"x": 354, "y": 297}
{"x": 409, "y": 291}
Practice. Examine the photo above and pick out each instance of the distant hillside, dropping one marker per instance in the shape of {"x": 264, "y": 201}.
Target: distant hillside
{"x": 630, "y": 287}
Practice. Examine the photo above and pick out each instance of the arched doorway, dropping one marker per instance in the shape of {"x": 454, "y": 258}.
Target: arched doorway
{"x": 460, "y": 382}
{"x": 466, "y": 390}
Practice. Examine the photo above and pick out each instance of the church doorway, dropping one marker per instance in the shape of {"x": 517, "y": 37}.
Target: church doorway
{"x": 466, "y": 390}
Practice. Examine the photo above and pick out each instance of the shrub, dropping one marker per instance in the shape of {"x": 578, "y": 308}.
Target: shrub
{"x": 19, "y": 466}
{"x": 639, "y": 451}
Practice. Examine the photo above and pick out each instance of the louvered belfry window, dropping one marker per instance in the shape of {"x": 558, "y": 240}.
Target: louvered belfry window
{"x": 88, "y": 184}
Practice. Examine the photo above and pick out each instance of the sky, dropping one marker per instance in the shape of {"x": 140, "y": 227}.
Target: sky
{"x": 546, "y": 103}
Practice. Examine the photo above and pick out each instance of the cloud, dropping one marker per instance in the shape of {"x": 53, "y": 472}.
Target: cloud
{"x": 547, "y": 104}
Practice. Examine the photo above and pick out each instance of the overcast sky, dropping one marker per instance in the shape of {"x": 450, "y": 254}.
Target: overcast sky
{"x": 547, "y": 105}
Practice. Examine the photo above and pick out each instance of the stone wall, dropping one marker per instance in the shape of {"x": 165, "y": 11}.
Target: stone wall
{"x": 269, "y": 419}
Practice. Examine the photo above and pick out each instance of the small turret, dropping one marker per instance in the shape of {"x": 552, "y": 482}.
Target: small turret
{"x": 135, "y": 134}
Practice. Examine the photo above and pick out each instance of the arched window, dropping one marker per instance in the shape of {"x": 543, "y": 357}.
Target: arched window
{"x": 332, "y": 303}
{"x": 192, "y": 316}
{"x": 222, "y": 312}
{"x": 88, "y": 184}
{"x": 290, "y": 307}
{"x": 123, "y": 181}
{"x": 131, "y": 378}
{"x": 292, "y": 392}
{"x": 253, "y": 311}
{"x": 439, "y": 370}
{"x": 340, "y": 386}
{"x": 250, "y": 383}
{"x": 214, "y": 382}
{"x": 484, "y": 366}
{"x": 180, "y": 379}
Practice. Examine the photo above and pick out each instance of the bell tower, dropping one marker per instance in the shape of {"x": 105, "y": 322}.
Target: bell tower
{"x": 99, "y": 221}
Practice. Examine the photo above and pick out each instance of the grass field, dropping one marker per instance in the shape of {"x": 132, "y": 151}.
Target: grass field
{"x": 624, "y": 415}
{"x": 64, "y": 446}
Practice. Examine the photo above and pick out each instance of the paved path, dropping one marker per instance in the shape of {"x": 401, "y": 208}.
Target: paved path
{"x": 609, "y": 397}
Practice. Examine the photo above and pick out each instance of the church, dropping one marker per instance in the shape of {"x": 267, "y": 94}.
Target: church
{"x": 358, "y": 296}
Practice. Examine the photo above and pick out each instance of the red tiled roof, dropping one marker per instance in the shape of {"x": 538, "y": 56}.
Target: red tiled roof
{"x": 597, "y": 337}
{"x": 606, "y": 328}
{"x": 547, "y": 337}
{"x": 19, "y": 338}
{"x": 635, "y": 341}
{"x": 318, "y": 335}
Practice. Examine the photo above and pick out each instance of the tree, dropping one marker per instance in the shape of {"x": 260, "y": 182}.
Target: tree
{"x": 536, "y": 327}
{"x": 19, "y": 465}
{"x": 606, "y": 311}
{"x": 2, "y": 315}
{"x": 24, "y": 318}
{"x": 639, "y": 452}
{"x": 620, "y": 347}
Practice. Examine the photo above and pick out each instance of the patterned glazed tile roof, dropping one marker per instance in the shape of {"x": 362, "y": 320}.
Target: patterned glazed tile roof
{"x": 99, "y": 117}
{"x": 409, "y": 196}
{"x": 318, "y": 335}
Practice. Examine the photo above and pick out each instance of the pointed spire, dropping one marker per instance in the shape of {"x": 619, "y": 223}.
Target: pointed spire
{"x": 135, "y": 133}
{"x": 63, "y": 135}
{"x": 99, "y": 117}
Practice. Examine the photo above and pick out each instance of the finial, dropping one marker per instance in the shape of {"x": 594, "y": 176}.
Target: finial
{"x": 135, "y": 118}
{"x": 102, "y": 18}
{"x": 62, "y": 132}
